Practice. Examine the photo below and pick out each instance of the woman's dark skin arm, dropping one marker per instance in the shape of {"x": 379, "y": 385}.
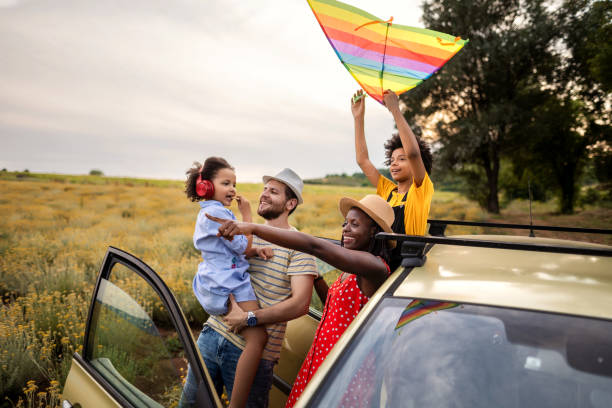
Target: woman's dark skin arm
{"x": 371, "y": 272}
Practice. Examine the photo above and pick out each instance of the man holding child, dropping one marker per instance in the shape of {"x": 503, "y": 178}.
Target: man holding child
{"x": 283, "y": 286}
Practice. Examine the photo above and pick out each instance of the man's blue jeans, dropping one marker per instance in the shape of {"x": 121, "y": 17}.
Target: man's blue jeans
{"x": 221, "y": 357}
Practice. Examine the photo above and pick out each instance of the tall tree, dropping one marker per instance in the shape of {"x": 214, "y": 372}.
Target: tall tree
{"x": 549, "y": 143}
{"x": 572, "y": 112}
{"x": 474, "y": 100}
{"x": 587, "y": 70}
{"x": 587, "y": 75}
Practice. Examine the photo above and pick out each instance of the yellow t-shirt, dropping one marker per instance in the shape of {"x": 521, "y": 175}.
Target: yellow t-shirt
{"x": 416, "y": 206}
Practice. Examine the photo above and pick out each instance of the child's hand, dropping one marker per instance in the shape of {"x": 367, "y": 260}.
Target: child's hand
{"x": 244, "y": 206}
{"x": 358, "y": 104}
{"x": 265, "y": 253}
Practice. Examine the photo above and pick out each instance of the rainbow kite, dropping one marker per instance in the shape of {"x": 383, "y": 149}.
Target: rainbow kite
{"x": 381, "y": 55}
{"x": 419, "y": 308}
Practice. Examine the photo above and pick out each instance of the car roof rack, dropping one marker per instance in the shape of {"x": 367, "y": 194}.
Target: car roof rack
{"x": 414, "y": 247}
{"x": 438, "y": 227}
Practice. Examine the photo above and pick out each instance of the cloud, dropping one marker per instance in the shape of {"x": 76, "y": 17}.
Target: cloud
{"x": 124, "y": 84}
{"x": 8, "y": 3}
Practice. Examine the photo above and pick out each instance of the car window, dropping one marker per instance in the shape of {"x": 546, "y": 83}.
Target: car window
{"x": 415, "y": 353}
{"x": 134, "y": 345}
{"x": 330, "y": 274}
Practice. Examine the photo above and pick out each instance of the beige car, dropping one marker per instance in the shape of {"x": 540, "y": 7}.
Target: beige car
{"x": 472, "y": 321}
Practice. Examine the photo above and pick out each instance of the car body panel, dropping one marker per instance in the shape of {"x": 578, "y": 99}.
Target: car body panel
{"x": 81, "y": 386}
{"x": 500, "y": 277}
{"x": 298, "y": 339}
{"x": 560, "y": 283}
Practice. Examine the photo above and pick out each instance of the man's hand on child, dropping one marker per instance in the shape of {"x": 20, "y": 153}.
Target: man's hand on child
{"x": 236, "y": 317}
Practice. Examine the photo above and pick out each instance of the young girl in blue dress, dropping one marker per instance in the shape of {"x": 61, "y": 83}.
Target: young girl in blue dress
{"x": 223, "y": 270}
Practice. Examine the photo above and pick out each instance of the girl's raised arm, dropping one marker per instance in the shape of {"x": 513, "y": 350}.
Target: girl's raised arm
{"x": 361, "y": 148}
{"x": 409, "y": 141}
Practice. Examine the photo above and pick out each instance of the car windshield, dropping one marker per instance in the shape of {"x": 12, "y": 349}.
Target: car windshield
{"x": 416, "y": 353}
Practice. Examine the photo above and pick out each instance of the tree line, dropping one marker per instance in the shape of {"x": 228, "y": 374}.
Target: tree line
{"x": 529, "y": 96}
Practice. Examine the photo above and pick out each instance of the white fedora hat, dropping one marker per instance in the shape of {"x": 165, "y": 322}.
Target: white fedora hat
{"x": 289, "y": 178}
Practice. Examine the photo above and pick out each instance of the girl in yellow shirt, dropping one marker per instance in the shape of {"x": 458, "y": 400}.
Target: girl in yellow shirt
{"x": 409, "y": 161}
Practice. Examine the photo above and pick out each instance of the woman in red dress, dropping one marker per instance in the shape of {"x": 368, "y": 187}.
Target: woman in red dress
{"x": 362, "y": 259}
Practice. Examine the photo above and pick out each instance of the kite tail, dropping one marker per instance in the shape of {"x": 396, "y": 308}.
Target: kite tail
{"x": 374, "y": 22}
{"x": 448, "y": 43}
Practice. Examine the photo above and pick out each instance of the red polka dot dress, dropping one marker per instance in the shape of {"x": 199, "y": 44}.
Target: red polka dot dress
{"x": 344, "y": 301}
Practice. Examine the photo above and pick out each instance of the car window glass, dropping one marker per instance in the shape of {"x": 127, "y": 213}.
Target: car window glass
{"x": 135, "y": 347}
{"x": 414, "y": 353}
{"x": 330, "y": 274}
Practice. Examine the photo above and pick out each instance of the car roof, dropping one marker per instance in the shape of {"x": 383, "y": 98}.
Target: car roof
{"x": 544, "y": 281}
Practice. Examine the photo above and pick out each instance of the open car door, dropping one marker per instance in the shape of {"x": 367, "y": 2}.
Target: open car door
{"x": 137, "y": 344}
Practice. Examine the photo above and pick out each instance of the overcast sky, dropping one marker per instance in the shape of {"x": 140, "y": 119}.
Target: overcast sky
{"x": 143, "y": 87}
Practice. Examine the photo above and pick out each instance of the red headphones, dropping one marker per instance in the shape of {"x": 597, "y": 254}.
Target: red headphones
{"x": 204, "y": 188}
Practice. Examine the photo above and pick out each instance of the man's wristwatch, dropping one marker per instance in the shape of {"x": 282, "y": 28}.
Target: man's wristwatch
{"x": 251, "y": 320}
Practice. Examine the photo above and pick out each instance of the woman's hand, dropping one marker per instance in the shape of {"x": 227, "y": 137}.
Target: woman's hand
{"x": 236, "y": 317}
{"x": 358, "y": 104}
{"x": 230, "y": 228}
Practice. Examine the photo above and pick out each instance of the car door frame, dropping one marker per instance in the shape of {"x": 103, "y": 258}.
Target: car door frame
{"x": 206, "y": 394}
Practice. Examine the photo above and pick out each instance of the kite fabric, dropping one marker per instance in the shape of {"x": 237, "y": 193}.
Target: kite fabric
{"x": 419, "y": 308}
{"x": 382, "y": 55}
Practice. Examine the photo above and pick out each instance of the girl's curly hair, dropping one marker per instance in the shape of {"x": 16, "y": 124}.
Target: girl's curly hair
{"x": 209, "y": 170}
{"x": 395, "y": 143}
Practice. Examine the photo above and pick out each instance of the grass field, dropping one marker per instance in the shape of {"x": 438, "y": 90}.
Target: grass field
{"x": 55, "y": 230}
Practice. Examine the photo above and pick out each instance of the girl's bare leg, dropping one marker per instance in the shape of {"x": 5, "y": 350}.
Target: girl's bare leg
{"x": 256, "y": 338}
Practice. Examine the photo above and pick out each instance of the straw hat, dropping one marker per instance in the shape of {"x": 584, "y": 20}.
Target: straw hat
{"x": 289, "y": 178}
{"x": 374, "y": 206}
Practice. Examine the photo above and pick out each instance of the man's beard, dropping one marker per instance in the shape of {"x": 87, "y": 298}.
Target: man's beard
{"x": 272, "y": 212}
